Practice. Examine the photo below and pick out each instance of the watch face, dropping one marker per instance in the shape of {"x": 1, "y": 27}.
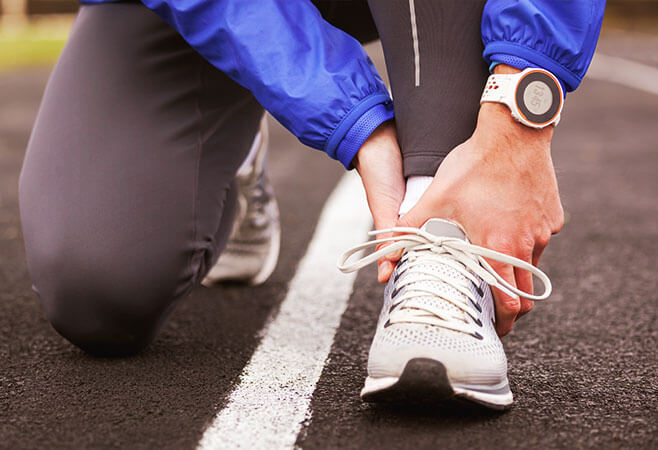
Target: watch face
{"x": 538, "y": 97}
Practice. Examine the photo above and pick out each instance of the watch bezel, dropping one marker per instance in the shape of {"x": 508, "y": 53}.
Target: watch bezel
{"x": 538, "y": 120}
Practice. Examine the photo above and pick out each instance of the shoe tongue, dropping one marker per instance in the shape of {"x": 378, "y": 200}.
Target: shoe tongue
{"x": 444, "y": 228}
{"x": 439, "y": 228}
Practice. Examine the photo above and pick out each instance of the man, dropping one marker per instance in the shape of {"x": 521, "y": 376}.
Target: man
{"x": 128, "y": 193}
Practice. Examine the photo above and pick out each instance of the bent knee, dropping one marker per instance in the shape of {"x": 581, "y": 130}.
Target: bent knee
{"x": 104, "y": 308}
{"x": 101, "y": 323}
{"x": 101, "y": 339}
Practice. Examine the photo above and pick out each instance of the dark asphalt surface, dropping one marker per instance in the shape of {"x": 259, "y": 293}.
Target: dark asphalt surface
{"x": 583, "y": 366}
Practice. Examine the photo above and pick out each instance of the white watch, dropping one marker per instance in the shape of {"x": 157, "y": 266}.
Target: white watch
{"x": 534, "y": 96}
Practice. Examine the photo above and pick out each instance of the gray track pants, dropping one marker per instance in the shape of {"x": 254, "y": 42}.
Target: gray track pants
{"x": 127, "y": 194}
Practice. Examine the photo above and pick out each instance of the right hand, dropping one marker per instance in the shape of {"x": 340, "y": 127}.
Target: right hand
{"x": 379, "y": 163}
{"x": 500, "y": 185}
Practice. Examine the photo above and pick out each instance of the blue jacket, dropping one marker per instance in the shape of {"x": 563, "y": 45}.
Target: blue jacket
{"x": 320, "y": 84}
{"x": 557, "y": 35}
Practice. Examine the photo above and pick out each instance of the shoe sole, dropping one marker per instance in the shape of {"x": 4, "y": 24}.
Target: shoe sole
{"x": 426, "y": 381}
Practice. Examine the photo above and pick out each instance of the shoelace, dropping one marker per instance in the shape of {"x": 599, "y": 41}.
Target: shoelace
{"x": 466, "y": 259}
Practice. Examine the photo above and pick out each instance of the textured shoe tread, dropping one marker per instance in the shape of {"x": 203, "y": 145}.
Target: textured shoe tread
{"x": 424, "y": 381}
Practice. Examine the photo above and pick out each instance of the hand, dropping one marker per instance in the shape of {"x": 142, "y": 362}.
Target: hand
{"x": 379, "y": 163}
{"x": 500, "y": 186}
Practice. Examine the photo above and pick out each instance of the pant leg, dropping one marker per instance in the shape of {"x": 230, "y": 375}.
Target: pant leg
{"x": 353, "y": 17}
{"x": 436, "y": 85}
{"x": 127, "y": 191}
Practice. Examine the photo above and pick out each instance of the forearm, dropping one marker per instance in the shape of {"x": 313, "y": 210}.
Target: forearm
{"x": 313, "y": 78}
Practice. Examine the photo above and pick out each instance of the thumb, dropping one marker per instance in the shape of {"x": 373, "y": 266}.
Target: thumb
{"x": 425, "y": 209}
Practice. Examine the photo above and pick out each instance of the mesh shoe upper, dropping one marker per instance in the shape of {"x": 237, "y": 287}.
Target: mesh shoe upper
{"x": 438, "y": 304}
{"x": 468, "y": 358}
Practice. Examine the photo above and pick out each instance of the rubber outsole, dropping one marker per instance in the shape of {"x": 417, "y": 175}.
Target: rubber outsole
{"x": 424, "y": 381}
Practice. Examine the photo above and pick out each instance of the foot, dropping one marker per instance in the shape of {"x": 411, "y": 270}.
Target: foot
{"x": 252, "y": 251}
{"x": 435, "y": 337}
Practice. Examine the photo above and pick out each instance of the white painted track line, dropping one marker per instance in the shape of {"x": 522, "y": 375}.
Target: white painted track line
{"x": 270, "y": 402}
{"x": 625, "y": 72}
{"x": 272, "y": 398}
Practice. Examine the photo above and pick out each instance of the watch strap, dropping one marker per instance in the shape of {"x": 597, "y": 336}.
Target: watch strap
{"x": 500, "y": 88}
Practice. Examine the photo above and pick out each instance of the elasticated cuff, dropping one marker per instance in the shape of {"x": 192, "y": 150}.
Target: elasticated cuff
{"x": 517, "y": 62}
{"x": 361, "y": 129}
{"x": 522, "y": 57}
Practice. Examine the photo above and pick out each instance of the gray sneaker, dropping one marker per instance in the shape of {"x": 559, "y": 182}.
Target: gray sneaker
{"x": 435, "y": 337}
{"x": 252, "y": 251}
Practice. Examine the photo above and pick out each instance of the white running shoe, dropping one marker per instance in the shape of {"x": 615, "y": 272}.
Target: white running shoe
{"x": 252, "y": 251}
{"x": 435, "y": 337}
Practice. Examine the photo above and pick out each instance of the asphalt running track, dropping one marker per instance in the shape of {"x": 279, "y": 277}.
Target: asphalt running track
{"x": 583, "y": 367}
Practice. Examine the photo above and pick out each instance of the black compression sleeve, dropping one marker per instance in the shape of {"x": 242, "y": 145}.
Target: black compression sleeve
{"x": 437, "y": 85}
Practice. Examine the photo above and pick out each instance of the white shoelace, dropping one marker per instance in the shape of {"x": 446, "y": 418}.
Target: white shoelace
{"x": 424, "y": 248}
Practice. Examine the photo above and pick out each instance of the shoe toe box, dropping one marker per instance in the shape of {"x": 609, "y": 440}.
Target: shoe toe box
{"x": 467, "y": 359}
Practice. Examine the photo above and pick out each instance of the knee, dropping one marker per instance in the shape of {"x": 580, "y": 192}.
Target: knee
{"x": 103, "y": 305}
{"x": 99, "y": 335}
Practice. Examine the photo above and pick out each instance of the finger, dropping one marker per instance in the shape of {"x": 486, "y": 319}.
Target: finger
{"x": 384, "y": 270}
{"x": 386, "y": 264}
{"x": 536, "y": 254}
{"x": 524, "y": 283}
{"x": 507, "y": 308}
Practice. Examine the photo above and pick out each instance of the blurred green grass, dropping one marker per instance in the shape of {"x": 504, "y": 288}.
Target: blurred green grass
{"x": 32, "y": 44}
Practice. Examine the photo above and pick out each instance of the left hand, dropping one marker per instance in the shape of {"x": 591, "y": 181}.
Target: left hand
{"x": 500, "y": 185}
{"x": 379, "y": 163}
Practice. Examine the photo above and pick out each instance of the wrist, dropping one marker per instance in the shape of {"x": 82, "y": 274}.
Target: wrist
{"x": 521, "y": 104}
{"x": 495, "y": 119}
{"x": 506, "y": 145}
{"x": 378, "y": 142}
{"x": 504, "y": 69}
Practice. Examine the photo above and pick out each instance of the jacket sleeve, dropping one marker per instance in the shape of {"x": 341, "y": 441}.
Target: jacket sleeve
{"x": 559, "y": 36}
{"x": 313, "y": 78}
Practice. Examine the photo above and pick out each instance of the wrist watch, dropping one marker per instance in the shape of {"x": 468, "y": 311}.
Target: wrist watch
{"x": 534, "y": 96}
